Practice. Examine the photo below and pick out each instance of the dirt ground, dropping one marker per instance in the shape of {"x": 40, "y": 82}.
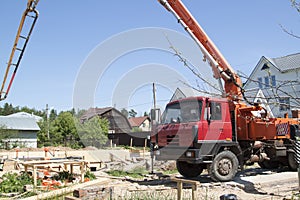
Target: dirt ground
{"x": 252, "y": 183}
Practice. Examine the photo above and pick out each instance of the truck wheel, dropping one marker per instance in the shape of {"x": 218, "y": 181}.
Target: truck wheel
{"x": 224, "y": 166}
{"x": 292, "y": 162}
{"x": 189, "y": 170}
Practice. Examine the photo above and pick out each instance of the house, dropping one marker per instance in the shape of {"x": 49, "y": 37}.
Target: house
{"x": 19, "y": 131}
{"x": 118, "y": 123}
{"x": 278, "y": 79}
{"x": 181, "y": 93}
{"x": 27, "y": 115}
{"x": 140, "y": 123}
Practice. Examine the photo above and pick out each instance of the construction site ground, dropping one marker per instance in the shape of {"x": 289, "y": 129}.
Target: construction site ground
{"x": 251, "y": 183}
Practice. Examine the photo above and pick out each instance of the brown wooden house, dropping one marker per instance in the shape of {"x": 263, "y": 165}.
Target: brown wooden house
{"x": 118, "y": 123}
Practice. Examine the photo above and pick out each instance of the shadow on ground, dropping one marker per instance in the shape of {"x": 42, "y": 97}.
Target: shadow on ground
{"x": 204, "y": 179}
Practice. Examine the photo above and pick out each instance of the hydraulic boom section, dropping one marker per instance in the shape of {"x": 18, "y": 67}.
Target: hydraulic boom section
{"x": 29, "y": 18}
{"x": 220, "y": 66}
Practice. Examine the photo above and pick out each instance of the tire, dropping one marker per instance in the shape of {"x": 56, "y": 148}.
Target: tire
{"x": 224, "y": 166}
{"x": 293, "y": 165}
{"x": 189, "y": 170}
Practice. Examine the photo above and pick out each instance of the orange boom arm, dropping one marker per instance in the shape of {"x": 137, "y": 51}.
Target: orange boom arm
{"x": 220, "y": 66}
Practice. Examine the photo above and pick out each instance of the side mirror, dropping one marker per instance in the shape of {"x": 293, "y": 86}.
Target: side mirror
{"x": 155, "y": 115}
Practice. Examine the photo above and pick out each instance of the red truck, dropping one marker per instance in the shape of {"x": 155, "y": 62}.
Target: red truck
{"x": 220, "y": 134}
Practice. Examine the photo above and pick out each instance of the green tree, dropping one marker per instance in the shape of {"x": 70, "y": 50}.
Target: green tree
{"x": 296, "y": 4}
{"x": 6, "y": 134}
{"x": 52, "y": 115}
{"x": 146, "y": 114}
{"x": 94, "y": 131}
{"x": 46, "y": 128}
{"x": 124, "y": 112}
{"x": 42, "y": 135}
{"x": 10, "y": 109}
{"x": 79, "y": 113}
{"x": 132, "y": 113}
{"x": 7, "y": 109}
{"x": 136, "y": 129}
{"x": 26, "y": 109}
{"x": 63, "y": 131}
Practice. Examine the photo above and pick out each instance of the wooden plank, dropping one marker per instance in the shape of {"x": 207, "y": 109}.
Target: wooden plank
{"x": 180, "y": 186}
{"x": 179, "y": 190}
{"x": 34, "y": 177}
{"x": 71, "y": 198}
{"x": 185, "y": 181}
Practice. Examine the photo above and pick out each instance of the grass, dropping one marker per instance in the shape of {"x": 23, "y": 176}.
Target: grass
{"x": 138, "y": 172}
{"x": 167, "y": 172}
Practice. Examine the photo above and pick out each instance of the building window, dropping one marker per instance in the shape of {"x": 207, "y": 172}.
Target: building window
{"x": 267, "y": 82}
{"x": 284, "y": 104}
{"x": 273, "y": 81}
{"x": 260, "y": 84}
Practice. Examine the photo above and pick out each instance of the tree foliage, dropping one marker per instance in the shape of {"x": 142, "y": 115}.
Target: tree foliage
{"x": 59, "y": 131}
{"x": 6, "y": 134}
{"x": 42, "y": 136}
{"x": 132, "y": 113}
{"x": 124, "y": 112}
{"x": 296, "y": 4}
{"x": 94, "y": 131}
{"x": 146, "y": 114}
{"x": 9, "y": 109}
{"x": 64, "y": 130}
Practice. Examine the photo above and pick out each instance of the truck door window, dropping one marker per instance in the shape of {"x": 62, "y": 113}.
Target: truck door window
{"x": 186, "y": 111}
{"x": 215, "y": 111}
{"x": 171, "y": 114}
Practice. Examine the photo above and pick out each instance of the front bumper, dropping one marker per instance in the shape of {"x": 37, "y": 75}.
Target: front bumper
{"x": 182, "y": 154}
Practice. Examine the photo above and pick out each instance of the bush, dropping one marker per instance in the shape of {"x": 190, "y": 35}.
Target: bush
{"x": 13, "y": 182}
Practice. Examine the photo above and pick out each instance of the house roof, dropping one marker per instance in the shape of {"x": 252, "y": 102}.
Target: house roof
{"x": 19, "y": 123}
{"x": 117, "y": 121}
{"x": 95, "y": 111}
{"x": 137, "y": 121}
{"x": 26, "y": 115}
{"x": 184, "y": 92}
{"x": 286, "y": 63}
{"x": 282, "y": 64}
{"x": 178, "y": 94}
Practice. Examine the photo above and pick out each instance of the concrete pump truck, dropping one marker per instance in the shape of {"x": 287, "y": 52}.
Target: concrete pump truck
{"x": 220, "y": 134}
{"x": 29, "y": 18}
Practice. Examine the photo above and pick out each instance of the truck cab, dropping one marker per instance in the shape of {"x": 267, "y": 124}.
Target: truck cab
{"x": 193, "y": 120}
{"x": 192, "y": 131}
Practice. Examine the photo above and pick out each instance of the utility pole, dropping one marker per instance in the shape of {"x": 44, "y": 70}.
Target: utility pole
{"x": 153, "y": 128}
{"x": 154, "y": 96}
{"x": 47, "y": 117}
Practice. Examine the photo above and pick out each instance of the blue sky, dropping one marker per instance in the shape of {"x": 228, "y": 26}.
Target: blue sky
{"x": 69, "y": 32}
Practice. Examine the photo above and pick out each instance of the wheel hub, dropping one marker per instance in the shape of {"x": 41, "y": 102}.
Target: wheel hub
{"x": 224, "y": 166}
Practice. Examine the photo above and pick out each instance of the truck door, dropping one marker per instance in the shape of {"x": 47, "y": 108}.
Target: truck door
{"x": 214, "y": 126}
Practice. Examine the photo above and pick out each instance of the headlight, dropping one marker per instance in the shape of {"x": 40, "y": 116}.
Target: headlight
{"x": 157, "y": 152}
{"x": 190, "y": 154}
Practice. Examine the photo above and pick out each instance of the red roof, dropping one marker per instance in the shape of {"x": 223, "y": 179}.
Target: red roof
{"x": 137, "y": 121}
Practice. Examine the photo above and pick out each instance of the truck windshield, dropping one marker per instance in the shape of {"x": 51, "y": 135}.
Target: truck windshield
{"x": 186, "y": 111}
